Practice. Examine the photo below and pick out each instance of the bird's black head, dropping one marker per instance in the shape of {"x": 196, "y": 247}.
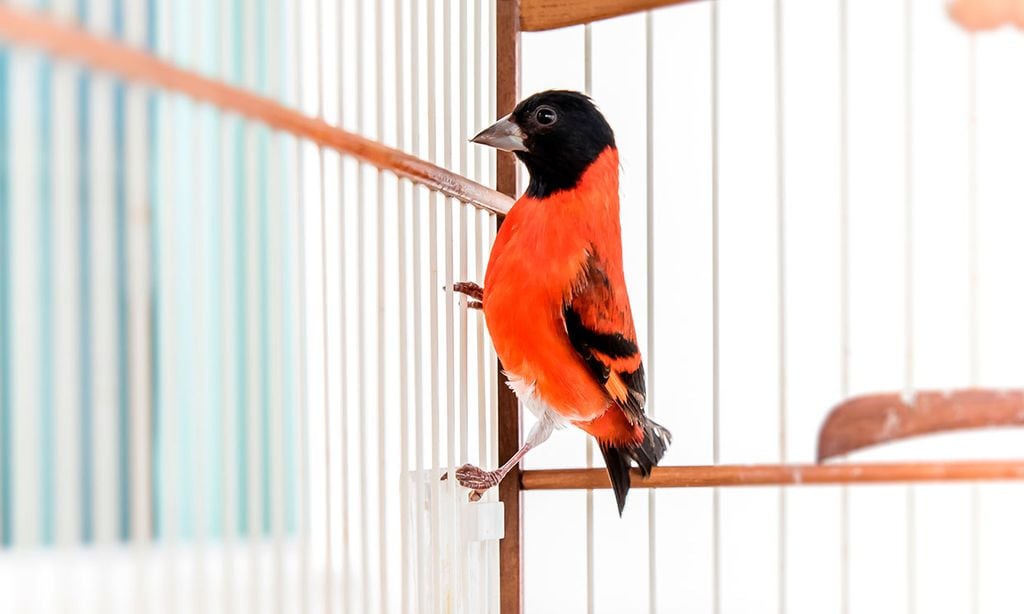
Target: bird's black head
{"x": 557, "y": 134}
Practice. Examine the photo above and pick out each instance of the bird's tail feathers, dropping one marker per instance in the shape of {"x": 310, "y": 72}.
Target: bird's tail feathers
{"x": 645, "y": 453}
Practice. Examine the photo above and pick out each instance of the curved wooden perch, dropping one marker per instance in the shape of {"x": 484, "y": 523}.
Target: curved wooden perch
{"x": 873, "y": 419}
{"x": 975, "y": 15}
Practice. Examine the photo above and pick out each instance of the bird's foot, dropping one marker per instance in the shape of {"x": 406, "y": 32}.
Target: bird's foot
{"x": 470, "y": 289}
{"x": 476, "y": 479}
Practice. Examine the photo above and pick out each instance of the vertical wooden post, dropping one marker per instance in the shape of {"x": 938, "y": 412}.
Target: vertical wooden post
{"x": 507, "y": 72}
{"x": 510, "y": 550}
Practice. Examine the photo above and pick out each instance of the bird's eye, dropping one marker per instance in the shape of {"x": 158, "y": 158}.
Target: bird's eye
{"x": 546, "y": 116}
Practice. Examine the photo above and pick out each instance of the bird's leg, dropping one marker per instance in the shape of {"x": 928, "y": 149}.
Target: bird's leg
{"x": 478, "y": 480}
{"x": 471, "y": 290}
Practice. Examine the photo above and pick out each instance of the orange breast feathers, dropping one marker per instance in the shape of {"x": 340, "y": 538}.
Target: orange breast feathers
{"x": 543, "y": 260}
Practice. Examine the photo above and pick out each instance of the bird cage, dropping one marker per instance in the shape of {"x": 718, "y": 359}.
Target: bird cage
{"x": 234, "y": 369}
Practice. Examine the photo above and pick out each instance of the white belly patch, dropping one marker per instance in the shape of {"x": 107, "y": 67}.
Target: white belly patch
{"x": 527, "y": 394}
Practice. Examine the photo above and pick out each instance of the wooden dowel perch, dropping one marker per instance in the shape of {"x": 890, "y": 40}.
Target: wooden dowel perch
{"x": 874, "y": 419}
{"x": 780, "y": 475}
{"x": 857, "y": 423}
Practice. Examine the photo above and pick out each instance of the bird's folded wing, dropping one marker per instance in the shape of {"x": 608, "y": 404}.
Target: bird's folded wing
{"x": 600, "y": 328}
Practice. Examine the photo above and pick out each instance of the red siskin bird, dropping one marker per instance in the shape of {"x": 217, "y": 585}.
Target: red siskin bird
{"x": 554, "y": 294}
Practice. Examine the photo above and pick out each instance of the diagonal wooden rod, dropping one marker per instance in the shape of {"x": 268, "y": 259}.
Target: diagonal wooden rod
{"x": 34, "y": 30}
{"x": 780, "y": 475}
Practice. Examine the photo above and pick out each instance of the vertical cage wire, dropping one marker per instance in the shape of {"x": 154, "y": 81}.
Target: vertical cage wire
{"x": 652, "y": 510}
{"x": 102, "y": 320}
{"x": 205, "y": 428}
{"x": 328, "y": 573}
{"x": 483, "y": 371}
{"x": 480, "y": 86}
{"x": 67, "y": 365}
{"x": 974, "y": 324}
{"x": 463, "y": 317}
{"x": 450, "y": 492}
{"x": 780, "y": 204}
{"x": 448, "y": 207}
{"x": 361, "y": 333}
{"x": 588, "y": 87}
{"x": 490, "y": 102}
{"x": 256, "y": 375}
{"x": 198, "y": 324}
{"x": 435, "y": 358}
{"x": 302, "y": 409}
{"x": 24, "y": 371}
{"x": 464, "y": 168}
{"x": 403, "y": 355}
{"x": 715, "y": 358}
{"x": 492, "y": 362}
{"x": 844, "y": 285}
{"x": 228, "y": 131}
{"x": 251, "y": 278}
{"x": 167, "y": 490}
{"x": 458, "y": 410}
{"x": 274, "y": 18}
{"x": 345, "y": 564}
{"x": 482, "y": 376}
{"x": 420, "y": 523}
{"x": 382, "y": 540}
{"x": 435, "y": 410}
{"x": 909, "y": 384}
{"x": 6, "y": 385}
{"x": 136, "y": 154}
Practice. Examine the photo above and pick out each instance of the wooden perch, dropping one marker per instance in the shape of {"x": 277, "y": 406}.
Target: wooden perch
{"x": 536, "y": 15}
{"x": 780, "y": 475}
{"x": 974, "y": 15}
{"x": 873, "y": 419}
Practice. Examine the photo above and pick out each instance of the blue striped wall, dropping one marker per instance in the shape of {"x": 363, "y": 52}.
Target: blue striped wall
{"x": 6, "y": 507}
{"x": 121, "y": 255}
{"x": 264, "y": 290}
{"x": 47, "y": 478}
{"x": 85, "y": 301}
{"x": 194, "y": 211}
{"x": 153, "y": 166}
{"x": 242, "y": 191}
{"x": 289, "y": 333}
{"x": 213, "y": 183}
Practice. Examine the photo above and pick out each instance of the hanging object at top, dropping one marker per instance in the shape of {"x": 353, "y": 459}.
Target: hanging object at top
{"x": 974, "y": 15}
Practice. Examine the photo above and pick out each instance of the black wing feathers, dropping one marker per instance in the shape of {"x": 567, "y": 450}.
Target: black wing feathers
{"x": 613, "y": 359}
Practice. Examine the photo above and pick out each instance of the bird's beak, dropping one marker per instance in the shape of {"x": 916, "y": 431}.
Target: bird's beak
{"x": 505, "y": 135}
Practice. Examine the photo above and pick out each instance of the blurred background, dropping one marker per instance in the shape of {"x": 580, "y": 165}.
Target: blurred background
{"x": 231, "y": 373}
